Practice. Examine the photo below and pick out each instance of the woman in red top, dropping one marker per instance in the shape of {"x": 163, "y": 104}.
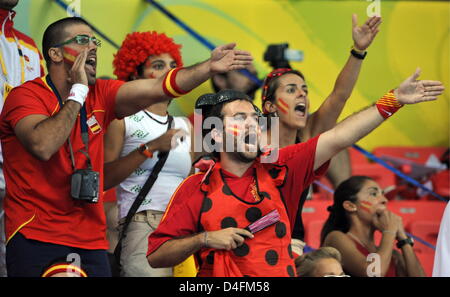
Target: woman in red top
{"x": 359, "y": 210}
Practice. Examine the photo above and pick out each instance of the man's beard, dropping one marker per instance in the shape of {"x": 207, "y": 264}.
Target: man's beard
{"x": 92, "y": 81}
{"x": 242, "y": 157}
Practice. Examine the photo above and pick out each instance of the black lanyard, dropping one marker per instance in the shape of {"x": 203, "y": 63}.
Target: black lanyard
{"x": 83, "y": 124}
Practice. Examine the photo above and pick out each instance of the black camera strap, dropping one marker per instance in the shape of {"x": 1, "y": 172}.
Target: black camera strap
{"x": 83, "y": 124}
{"x": 162, "y": 158}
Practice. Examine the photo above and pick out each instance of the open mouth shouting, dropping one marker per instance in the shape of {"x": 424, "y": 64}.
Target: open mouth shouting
{"x": 300, "y": 109}
{"x": 91, "y": 64}
{"x": 251, "y": 142}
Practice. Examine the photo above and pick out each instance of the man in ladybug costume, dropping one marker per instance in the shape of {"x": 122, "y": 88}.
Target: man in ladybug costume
{"x": 236, "y": 217}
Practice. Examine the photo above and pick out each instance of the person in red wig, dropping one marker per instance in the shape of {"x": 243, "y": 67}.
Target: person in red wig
{"x": 131, "y": 147}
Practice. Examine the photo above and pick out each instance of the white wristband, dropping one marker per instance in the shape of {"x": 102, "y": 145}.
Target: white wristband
{"x": 78, "y": 93}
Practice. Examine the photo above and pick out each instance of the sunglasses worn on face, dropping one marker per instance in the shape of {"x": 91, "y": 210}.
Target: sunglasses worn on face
{"x": 82, "y": 40}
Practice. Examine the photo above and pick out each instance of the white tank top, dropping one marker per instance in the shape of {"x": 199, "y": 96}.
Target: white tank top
{"x": 140, "y": 128}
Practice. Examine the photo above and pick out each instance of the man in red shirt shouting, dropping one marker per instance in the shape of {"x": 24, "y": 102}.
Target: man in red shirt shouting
{"x": 237, "y": 218}
{"x": 20, "y": 61}
{"x": 52, "y": 136}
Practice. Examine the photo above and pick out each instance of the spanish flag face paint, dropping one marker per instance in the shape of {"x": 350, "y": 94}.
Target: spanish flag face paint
{"x": 234, "y": 130}
{"x": 283, "y": 107}
{"x": 70, "y": 55}
{"x": 366, "y": 206}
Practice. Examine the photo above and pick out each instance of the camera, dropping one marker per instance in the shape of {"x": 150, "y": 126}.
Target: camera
{"x": 85, "y": 185}
{"x": 279, "y": 55}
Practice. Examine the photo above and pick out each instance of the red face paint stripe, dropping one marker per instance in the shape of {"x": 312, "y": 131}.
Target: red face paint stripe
{"x": 283, "y": 103}
{"x": 70, "y": 54}
{"x": 234, "y": 131}
{"x": 365, "y": 208}
{"x": 366, "y": 203}
{"x": 281, "y": 108}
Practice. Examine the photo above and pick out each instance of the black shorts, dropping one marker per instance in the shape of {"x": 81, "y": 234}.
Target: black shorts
{"x": 29, "y": 258}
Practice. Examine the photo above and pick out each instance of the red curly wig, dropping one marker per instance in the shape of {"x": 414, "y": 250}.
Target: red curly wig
{"x": 137, "y": 47}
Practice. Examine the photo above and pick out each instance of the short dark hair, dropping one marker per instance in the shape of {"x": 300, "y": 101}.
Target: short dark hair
{"x": 216, "y": 111}
{"x": 55, "y": 34}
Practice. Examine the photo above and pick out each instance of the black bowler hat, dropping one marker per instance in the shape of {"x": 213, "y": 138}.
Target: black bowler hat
{"x": 206, "y": 101}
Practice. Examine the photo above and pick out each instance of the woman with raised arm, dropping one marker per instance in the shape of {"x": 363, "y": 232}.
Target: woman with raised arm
{"x": 285, "y": 96}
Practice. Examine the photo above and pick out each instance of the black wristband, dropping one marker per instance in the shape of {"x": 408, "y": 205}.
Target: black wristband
{"x": 358, "y": 55}
{"x": 402, "y": 242}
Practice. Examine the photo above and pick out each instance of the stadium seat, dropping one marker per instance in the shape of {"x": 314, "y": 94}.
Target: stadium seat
{"x": 441, "y": 183}
{"x": 426, "y": 230}
{"x": 357, "y": 158}
{"x": 362, "y": 166}
{"x": 418, "y": 154}
{"x": 417, "y": 211}
{"x": 314, "y": 215}
{"x": 383, "y": 176}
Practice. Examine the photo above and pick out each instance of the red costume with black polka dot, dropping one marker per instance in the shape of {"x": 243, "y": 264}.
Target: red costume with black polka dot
{"x": 221, "y": 200}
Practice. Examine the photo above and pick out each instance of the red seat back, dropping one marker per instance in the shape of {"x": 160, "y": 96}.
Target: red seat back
{"x": 415, "y": 211}
{"x": 418, "y": 154}
{"x": 314, "y": 215}
{"x": 426, "y": 230}
{"x": 383, "y": 176}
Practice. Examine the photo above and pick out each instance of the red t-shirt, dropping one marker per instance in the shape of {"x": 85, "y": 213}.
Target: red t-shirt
{"x": 38, "y": 201}
{"x": 182, "y": 213}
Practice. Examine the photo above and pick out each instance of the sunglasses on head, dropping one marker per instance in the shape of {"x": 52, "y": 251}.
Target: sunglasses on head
{"x": 82, "y": 40}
